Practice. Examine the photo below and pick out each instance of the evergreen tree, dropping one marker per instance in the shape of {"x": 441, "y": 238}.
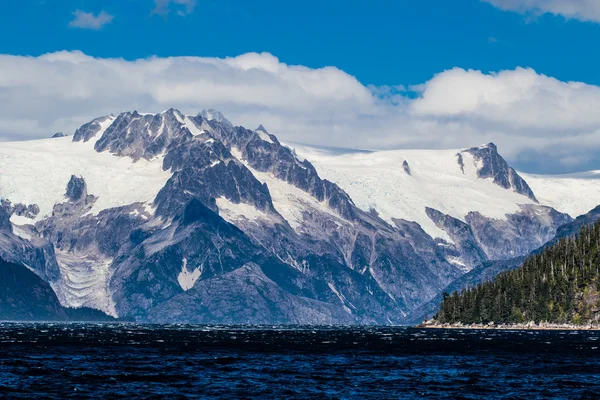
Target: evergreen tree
{"x": 560, "y": 285}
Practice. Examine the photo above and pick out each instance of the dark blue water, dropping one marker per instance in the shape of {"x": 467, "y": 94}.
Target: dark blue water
{"x": 136, "y": 361}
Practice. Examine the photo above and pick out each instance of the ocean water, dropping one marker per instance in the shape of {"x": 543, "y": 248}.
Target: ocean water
{"x": 143, "y": 361}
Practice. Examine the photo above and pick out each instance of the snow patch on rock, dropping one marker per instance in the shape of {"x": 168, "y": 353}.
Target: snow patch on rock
{"x": 21, "y": 220}
{"x": 21, "y": 233}
{"x": 186, "y": 278}
{"x": 233, "y": 213}
{"x": 342, "y": 298}
{"x": 289, "y": 201}
{"x": 458, "y": 262}
{"x": 263, "y": 135}
{"x": 192, "y": 127}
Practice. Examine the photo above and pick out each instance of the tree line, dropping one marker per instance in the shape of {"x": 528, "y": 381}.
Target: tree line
{"x": 557, "y": 285}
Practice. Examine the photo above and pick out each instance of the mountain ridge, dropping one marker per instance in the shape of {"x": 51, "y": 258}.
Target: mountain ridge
{"x": 195, "y": 202}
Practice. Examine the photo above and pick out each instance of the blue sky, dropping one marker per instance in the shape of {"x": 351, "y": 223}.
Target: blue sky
{"x": 378, "y": 41}
{"x": 424, "y": 74}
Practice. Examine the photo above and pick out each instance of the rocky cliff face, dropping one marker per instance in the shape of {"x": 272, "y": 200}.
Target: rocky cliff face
{"x": 519, "y": 233}
{"x": 481, "y": 238}
{"x": 245, "y": 232}
{"x": 21, "y": 245}
{"x": 467, "y": 247}
{"x": 493, "y": 166}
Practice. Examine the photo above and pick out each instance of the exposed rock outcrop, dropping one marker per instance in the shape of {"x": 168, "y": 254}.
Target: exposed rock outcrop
{"x": 492, "y": 165}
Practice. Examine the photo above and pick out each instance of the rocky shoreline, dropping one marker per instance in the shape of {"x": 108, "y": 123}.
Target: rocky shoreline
{"x": 543, "y": 326}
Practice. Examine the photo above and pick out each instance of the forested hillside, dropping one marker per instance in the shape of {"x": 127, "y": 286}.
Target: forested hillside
{"x": 559, "y": 285}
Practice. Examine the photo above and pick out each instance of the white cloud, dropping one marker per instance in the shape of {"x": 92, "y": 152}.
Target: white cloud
{"x": 92, "y": 21}
{"x": 584, "y": 10}
{"x": 183, "y": 7}
{"x": 537, "y": 121}
{"x": 513, "y": 100}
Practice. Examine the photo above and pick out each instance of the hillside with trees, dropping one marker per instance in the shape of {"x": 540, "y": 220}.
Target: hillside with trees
{"x": 557, "y": 285}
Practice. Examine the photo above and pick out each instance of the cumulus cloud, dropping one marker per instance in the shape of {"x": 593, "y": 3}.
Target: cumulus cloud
{"x": 513, "y": 100}
{"x": 85, "y": 20}
{"x": 538, "y": 122}
{"x": 182, "y": 7}
{"x": 584, "y": 10}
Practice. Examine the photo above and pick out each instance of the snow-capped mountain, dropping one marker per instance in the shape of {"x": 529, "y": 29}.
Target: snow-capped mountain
{"x": 175, "y": 218}
{"x": 463, "y": 197}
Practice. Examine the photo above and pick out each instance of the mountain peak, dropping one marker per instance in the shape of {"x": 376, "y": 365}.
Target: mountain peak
{"x": 492, "y": 146}
{"x": 214, "y": 115}
{"x": 261, "y": 129}
{"x": 89, "y": 130}
{"x": 488, "y": 146}
{"x": 492, "y": 165}
{"x": 173, "y": 111}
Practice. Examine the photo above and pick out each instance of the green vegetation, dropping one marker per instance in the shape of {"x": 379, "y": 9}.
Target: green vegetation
{"x": 558, "y": 285}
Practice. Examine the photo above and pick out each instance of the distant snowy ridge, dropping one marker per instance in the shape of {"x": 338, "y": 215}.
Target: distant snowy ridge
{"x": 574, "y": 194}
{"x": 445, "y": 180}
{"x": 378, "y": 181}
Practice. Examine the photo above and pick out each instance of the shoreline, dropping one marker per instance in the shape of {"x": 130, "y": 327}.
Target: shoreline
{"x": 531, "y": 326}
